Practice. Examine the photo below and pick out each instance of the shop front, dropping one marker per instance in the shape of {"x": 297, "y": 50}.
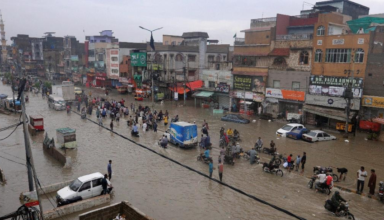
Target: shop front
{"x": 248, "y": 93}
{"x": 284, "y": 102}
{"x": 328, "y": 111}
{"x": 101, "y": 79}
{"x": 91, "y": 80}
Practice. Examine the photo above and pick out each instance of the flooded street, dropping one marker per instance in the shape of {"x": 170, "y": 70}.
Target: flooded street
{"x": 165, "y": 190}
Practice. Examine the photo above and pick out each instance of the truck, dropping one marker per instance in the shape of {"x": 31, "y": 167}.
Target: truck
{"x": 66, "y": 90}
{"x": 182, "y": 134}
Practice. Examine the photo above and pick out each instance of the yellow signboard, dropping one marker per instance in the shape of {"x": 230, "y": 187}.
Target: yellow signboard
{"x": 373, "y": 101}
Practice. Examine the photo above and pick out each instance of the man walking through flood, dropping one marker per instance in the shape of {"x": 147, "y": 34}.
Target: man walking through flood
{"x": 109, "y": 168}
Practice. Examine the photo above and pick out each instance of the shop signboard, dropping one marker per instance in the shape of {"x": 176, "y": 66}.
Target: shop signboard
{"x": 249, "y": 83}
{"x": 139, "y": 59}
{"x": 222, "y": 87}
{"x": 334, "y": 86}
{"x": 334, "y": 102}
{"x": 285, "y": 94}
{"x": 373, "y": 101}
{"x": 258, "y": 97}
{"x": 123, "y": 79}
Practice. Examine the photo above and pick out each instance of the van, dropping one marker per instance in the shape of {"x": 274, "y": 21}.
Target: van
{"x": 182, "y": 134}
{"x": 56, "y": 102}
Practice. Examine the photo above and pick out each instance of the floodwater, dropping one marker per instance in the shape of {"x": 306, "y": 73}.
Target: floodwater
{"x": 164, "y": 190}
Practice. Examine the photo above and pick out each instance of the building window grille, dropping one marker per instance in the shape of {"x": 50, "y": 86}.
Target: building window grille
{"x": 304, "y": 58}
{"x": 359, "y": 56}
{"x": 318, "y": 55}
{"x": 320, "y": 31}
{"x": 338, "y": 56}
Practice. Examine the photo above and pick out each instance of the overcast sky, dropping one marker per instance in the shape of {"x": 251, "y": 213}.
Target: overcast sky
{"x": 221, "y": 19}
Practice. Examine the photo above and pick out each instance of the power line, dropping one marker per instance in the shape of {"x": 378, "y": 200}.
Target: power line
{"x": 10, "y": 133}
{"x": 12, "y": 160}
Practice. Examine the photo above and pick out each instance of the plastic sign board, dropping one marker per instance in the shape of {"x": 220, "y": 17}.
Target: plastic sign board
{"x": 139, "y": 59}
{"x": 29, "y": 198}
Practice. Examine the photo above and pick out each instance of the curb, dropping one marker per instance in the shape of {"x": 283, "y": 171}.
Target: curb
{"x": 352, "y": 191}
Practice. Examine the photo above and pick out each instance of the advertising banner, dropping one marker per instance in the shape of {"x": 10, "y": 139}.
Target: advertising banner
{"x": 334, "y": 102}
{"x": 285, "y": 94}
{"x": 249, "y": 83}
{"x": 335, "y": 81}
{"x": 139, "y": 59}
{"x": 222, "y": 87}
{"x": 373, "y": 101}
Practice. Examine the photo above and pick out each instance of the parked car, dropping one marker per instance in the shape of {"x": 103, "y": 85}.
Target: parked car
{"x": 235, "y": 118}
{"x": 78, "y": 91}
{"x": 297, "y": 133}
{"x": 287, "y": 128}
{"x": 317, "y": 135}
{"x": 86, "y": 187}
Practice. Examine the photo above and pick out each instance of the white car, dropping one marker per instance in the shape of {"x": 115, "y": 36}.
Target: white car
{"x": 287, "y": 128}
{"x": 317, "y": 135}
{"x": 86, "y": 187}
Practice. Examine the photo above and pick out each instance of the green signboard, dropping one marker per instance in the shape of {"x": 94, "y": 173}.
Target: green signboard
{"x": 139, "y": 59}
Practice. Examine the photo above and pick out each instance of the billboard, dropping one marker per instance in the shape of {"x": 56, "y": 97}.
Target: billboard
{"x": 139, "y": 59}
{"x": 285, "y": 94}
{"x": 249, "y": 83}
{"x": 334, "y": 102}
{"x": 373, "y": 101}
{"x": 334, "y": 86}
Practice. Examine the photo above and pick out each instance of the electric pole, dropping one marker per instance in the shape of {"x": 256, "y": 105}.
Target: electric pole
{"x": 184, "y": 71}
{"x": 29, "y": 157}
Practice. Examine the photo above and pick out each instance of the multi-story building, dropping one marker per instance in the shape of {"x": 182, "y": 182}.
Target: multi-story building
{"x": 4, "y": 55}
{"x": 172, "y": 40}
{"x": 73, "y": 58}
{"x": 345, "y": 7}
{"x": 53, "y": 56}
{"x": 99, "y": 74}
{"x": 126, "y": 76}
{"x": 340, "y": 60}
{"x": 183, "y": 63}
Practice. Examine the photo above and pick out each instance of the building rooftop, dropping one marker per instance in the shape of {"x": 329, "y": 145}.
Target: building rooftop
{"x": 332, "y": 1}
{"x": 195, "y": 35}
{"x": 220, "y": 48}
{"x": 132, "y": 45}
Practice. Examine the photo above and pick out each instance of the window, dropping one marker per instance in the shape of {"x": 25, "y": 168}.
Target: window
{"x": 212, "y": 84}
{"x": 224, "y": 58}
{"x": 158, "y": 58}
{"x": 211, "y": 58}
{"x": 276, "y": 83}
{"x": 103, "y": 41}
{"x": 115, "y": 71}
{"x": 67, "y": 62}
{"x": 303, "y": 57}
{"x": 267, "y": 36}
{"x": 359, "y": 56}
{"x": 91, "y": 53}
{"x": 166, "y": 43}
{"x": 218, "y": 58}
{"x": 320, "y": 31}
{"x": 326, "y": 135}
{"x": 37, "y": 46}
{"x": 191, "y": 73}
{"x": 338, "y": 56}
{"x": 101, "y": 57}
{"x": 279, "y": 61}
{"x": 217, "y": 66}
{"x": 318, "y": 55}
{"x": 37, "y": 54}
{"x": 320, "y": 135}
{"x": 114, "y": 59}
{"x": 96, "y": 182}
{"x": 245, "y": 61}
{"x": 85, "y": 186}
{"x": 295, "y": 85}
{"x": 179, "y": 57}
{"x": 191, "y": 58}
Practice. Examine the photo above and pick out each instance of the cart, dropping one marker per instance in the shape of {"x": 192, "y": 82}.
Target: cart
{"x": 37, "y": 122}
{"x": 66, "y": 137}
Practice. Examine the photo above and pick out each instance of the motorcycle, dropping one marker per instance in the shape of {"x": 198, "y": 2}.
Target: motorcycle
{"x": 318, "y": 186}
{"x": 234, "y": 138}
{"x": 247, "y": 156}
{"x": 202, "y": 158}
{"x": 318, "y": 170}
{"x": 342, "y": 213}
{"x": 381, "y": 191}
{"x": 272, "y": 169}
{"x": 258, "y": 147}
{"x": 223, "y": 143}
{"x": 135, "y": 134}
{"x": 268, "y": 150}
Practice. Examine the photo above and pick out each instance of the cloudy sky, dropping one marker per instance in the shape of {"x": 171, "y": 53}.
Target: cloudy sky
{"x": 220, "y": 18}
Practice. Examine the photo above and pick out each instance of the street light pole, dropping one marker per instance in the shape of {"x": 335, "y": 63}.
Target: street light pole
{"x": 153, "y": 85}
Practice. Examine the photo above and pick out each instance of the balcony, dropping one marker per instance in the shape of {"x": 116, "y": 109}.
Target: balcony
{"x": 295, "y": 37}
{"x": 239, "y": 41}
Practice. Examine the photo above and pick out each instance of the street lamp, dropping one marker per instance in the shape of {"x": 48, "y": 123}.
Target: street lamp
{"x": 153, "y": 89}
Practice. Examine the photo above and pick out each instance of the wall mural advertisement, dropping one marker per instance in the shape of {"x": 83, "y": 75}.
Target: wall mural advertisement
{"x": 334, "y": 86}
{"x": 249, "y": 83}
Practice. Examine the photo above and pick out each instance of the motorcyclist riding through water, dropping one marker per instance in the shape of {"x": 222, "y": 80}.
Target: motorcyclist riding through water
{"x": 135, "y": 130}
{"x": 336, "y": 201}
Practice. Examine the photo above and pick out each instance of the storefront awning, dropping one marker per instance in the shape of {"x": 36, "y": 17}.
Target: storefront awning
{"x": 203, "y": 94}
{"x": 327, "y": 112}
{"x": 179, "y": 90}
{"x": 195, "y": 85}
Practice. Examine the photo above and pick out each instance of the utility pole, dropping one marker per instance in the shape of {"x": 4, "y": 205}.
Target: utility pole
{"x": 348, "y": 94}
{"x": 29, "y": 157}
{"x": 184, "y": 71}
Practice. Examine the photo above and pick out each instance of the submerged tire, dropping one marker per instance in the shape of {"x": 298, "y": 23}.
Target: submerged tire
{"x": 350, "y": 216}
{"x": 310, "y": 184}
{"x": 279, "y": 173}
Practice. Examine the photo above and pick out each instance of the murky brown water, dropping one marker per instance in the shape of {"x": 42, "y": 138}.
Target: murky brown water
{"x": 164, "y": 190}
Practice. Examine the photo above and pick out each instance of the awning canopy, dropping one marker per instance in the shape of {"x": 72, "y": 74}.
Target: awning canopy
{"x": 327, "y": 112}
{"x": 203, "y": 94}
{"x": 179, "y": 90}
